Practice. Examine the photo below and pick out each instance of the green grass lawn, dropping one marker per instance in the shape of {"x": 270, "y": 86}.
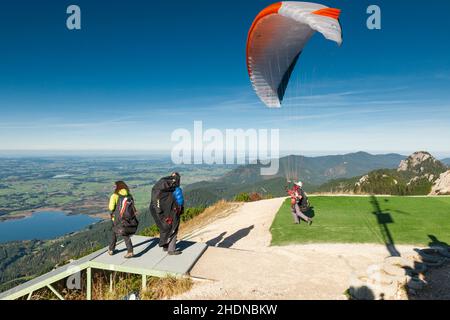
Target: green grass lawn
{"x": 402, "y": 220}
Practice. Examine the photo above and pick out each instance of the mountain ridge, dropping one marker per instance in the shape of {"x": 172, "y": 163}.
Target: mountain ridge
{"x": 313, "y": 171}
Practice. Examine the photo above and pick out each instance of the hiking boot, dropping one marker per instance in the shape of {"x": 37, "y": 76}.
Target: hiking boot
{"x": 165, "y": 249}
{"x": 129, "y": 255}
{"x": 174, "y": 253}
{"x": 111, "y": 252}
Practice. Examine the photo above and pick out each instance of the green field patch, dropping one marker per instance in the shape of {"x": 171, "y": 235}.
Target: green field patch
{"x": 383, "y": 220}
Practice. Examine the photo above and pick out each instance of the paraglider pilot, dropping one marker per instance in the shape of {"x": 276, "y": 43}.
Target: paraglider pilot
{"x": 123, "y": 215}
{"x": 166, "y": 207}
{"x": 299, "y": 203}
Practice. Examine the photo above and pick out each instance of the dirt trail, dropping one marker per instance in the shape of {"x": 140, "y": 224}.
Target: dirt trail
{"x": 242, "y": 265}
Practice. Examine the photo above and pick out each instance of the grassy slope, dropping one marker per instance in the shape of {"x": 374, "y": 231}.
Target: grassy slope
{"x": 352, "y": 220}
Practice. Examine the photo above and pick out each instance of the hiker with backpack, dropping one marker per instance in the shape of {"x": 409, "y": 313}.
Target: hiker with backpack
{"x": 299, "y": 203}
{"x": 166, "y": 207}
{"x": 123, "y": 215}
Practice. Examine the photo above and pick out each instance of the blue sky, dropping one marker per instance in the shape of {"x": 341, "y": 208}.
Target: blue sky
{"x": 140, "y": 69}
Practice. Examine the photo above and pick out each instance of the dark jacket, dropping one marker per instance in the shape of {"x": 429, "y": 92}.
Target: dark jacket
{"x": 165, "y": 209}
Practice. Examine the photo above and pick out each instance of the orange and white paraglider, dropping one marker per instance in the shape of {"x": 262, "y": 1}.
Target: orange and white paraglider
{"x": 276, "y": 39}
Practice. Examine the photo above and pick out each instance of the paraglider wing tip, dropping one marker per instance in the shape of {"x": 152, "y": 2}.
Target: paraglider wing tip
{"x": 328, "y": 12}
{"x": 274, "y": 105}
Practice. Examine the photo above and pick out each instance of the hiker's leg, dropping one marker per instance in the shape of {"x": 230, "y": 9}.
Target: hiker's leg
{"x": 163, "y": 235}
{"x": 128, "y": 243}
{"x": 112, "y": 244}
{"x": 173, "y": 243}
{"x": 300, "y": 214}
{"x": 294, "y": 214}
{"x": 304, "y": 217}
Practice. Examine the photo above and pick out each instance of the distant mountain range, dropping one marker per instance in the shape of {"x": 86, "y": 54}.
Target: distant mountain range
{"x": 313, "y": 171}
{"x": 446, "y": 161}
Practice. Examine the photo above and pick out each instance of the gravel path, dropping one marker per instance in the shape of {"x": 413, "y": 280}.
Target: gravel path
{"x": 240, "y": 264}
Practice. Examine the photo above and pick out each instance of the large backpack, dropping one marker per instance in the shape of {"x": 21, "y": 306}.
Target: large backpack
{"x": 162, "y": 194}
{"x": 125, "y": 219}
{"x": 304, "y": 202}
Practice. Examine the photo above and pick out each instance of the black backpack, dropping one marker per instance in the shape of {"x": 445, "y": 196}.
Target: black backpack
{"x": 162, "y": 194}
{"x": 126, "y": 222}
{"x": 304, "y": 202}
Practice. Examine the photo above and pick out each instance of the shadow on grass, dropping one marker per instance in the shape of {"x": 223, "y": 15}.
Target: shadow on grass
{"x": 383, "y": 220}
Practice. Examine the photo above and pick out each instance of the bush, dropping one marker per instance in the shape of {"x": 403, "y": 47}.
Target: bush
{"x": 242, "y": 197}
{"x": 255, "y": 196}
{"x": 151, "y": 231}
{"x": 169, "y": 286}
{"x": 249, "y": 197}
{"x": 191, "y": 213}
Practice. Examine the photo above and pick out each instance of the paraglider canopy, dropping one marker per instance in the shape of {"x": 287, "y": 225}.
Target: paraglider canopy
{"x": 276, "y": 39}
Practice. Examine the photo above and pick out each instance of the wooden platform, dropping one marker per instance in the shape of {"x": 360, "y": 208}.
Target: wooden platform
{"x": 149, "y": 260}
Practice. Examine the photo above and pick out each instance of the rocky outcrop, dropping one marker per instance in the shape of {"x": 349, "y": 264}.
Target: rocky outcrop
{"x": 421, "y": 168}
{"x": 442, "y": 185}
{"x": 414, "y": 160}
{"x": 398, "y": 276}
{"x": 362, "y": 181}
{"x": 415, "y": 175}
{"x": 423, "y": 164}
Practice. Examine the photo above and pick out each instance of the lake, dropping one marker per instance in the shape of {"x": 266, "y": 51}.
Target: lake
{"x": 43, "y": 226}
